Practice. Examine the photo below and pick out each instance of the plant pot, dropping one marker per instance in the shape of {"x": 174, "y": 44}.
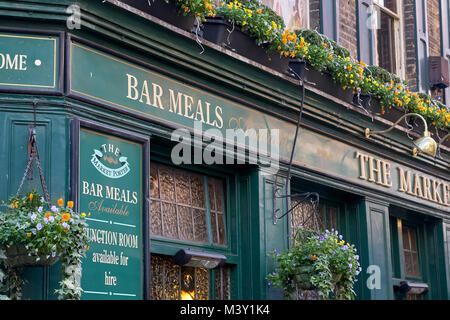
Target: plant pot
{"x": 297, "y": 68}
{"x": 368, "y": 102}
{"x": 17, "y": 256}
{"x": 303, "y": 277}
{"x": 167, "y": 12}
{"x": 218, "y": 31}
{"x": 324, "y": 82}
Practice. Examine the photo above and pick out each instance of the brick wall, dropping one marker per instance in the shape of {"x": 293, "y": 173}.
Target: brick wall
{"x": 409, "y": 29}
{"x": 434, "y": 27}
{"x": 348, "y": 26}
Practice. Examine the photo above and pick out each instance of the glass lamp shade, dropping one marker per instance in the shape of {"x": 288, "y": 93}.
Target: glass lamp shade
{"x": 426, "y": 144}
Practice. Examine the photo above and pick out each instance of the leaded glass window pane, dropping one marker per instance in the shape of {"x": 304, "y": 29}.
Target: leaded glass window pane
{"x": 222, "y": 278}
{"x": 178, "y": 205}
{"x": 410, "y": 252}
{"x": 173, "y": 282}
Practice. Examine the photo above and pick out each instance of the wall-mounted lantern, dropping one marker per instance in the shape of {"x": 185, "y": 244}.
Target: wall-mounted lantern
{"x": 198, "y": 259}
{"x": 424, "y": 144}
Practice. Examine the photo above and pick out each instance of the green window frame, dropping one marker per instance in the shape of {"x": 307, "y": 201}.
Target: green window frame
{"x": 400, "y": 250}
{"x": 166, "y": 247}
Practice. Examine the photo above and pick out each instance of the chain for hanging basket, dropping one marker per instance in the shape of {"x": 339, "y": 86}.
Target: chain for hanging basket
{"x": 34, "y": 155}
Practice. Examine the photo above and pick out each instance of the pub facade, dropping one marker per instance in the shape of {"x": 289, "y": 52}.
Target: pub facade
{"x": 115, "y": 93}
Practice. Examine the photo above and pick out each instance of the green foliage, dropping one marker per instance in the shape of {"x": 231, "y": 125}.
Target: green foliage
{"x": 315, "y": 38}
{"x": 47, "y": 232}
{"x": 333, "y": 265}
{"x": 258, "y": 20}
{"x": 198, "y": 8}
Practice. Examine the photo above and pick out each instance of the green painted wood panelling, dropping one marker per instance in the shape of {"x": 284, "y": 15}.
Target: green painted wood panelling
{"x": 51, "y": 136}
{"x": 376, "y": 249}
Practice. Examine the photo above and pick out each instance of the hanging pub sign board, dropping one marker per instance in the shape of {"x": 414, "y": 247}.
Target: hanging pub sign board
{"x": 30, "y": 62}
{"x": 111, "y": 194}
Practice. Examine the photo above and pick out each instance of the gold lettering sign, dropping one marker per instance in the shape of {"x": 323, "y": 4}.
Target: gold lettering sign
{"x": 378, "y": 171}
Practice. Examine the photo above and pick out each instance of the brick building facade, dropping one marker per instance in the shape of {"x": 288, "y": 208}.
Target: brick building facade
{"x": 407, "y": 16}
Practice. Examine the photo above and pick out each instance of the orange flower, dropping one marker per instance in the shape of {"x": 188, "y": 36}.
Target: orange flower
{"x": 70, "y": 204}
{"x": 66, "y": 216}
{"x": 324, "y": 45}
{"x": 314, "y": 258}
{"x": 12, "y": 205}
{"x": 31, "y": 196}
{"x": 330, "y": 57}
{"x": 186, "y": 9}
{"x": 48, "y": 214}
{"x": 259, "y": 10}
{"x": 60, "y": 202}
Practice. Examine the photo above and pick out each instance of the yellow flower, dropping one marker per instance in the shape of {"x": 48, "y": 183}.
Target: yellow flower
{"x": 83, "y": 214}
{"x": 60, "y": 202}
{"x": 29, "y": 234}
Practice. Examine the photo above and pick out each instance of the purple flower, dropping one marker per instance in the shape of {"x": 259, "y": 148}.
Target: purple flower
{"x": 300, "y": 226}
{"x": 340, "y": 237}
{"x": 293, "y": 264}
{"x": 269, "y": 283}
{"x": 42, "y": 199}
{"x": 33, "y": 217}
{"x": 333, "y": 253}
{"x": 39, "y": 226}
{"x": 356, "y": 257}
{"x": 350, "y": 266}
{"x": 40, "y": 209}
{"x": 45, "y": 220}
{"x": 53, "y": 254}
{"x": 33, "y": 231}
{"x": 54, "y": 209}
{"x": 345, "y": 247}
{"x": 51, "y": 219}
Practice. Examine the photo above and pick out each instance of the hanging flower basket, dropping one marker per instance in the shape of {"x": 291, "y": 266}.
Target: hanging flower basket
{"x": 18, "y": 256}
{"x": 167, "y": 11}
{"x": 318, "y": 265}
{"x": 324, "y": 82}
{"x": 223, "y": 33}
{"x": 303, "y": 277}
{"x": 33, "y": 232}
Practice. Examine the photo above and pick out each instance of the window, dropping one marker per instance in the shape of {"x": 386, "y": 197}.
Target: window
{"x": 410, "y": 252}
{"x": 380, "y": 40}
{"x": 406, "y": 237}
{"x": 173, "y": 282}
{"x": 186, "y": 206}
{"x": 387, "y": 35}
{"x": 305, "y": 213}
